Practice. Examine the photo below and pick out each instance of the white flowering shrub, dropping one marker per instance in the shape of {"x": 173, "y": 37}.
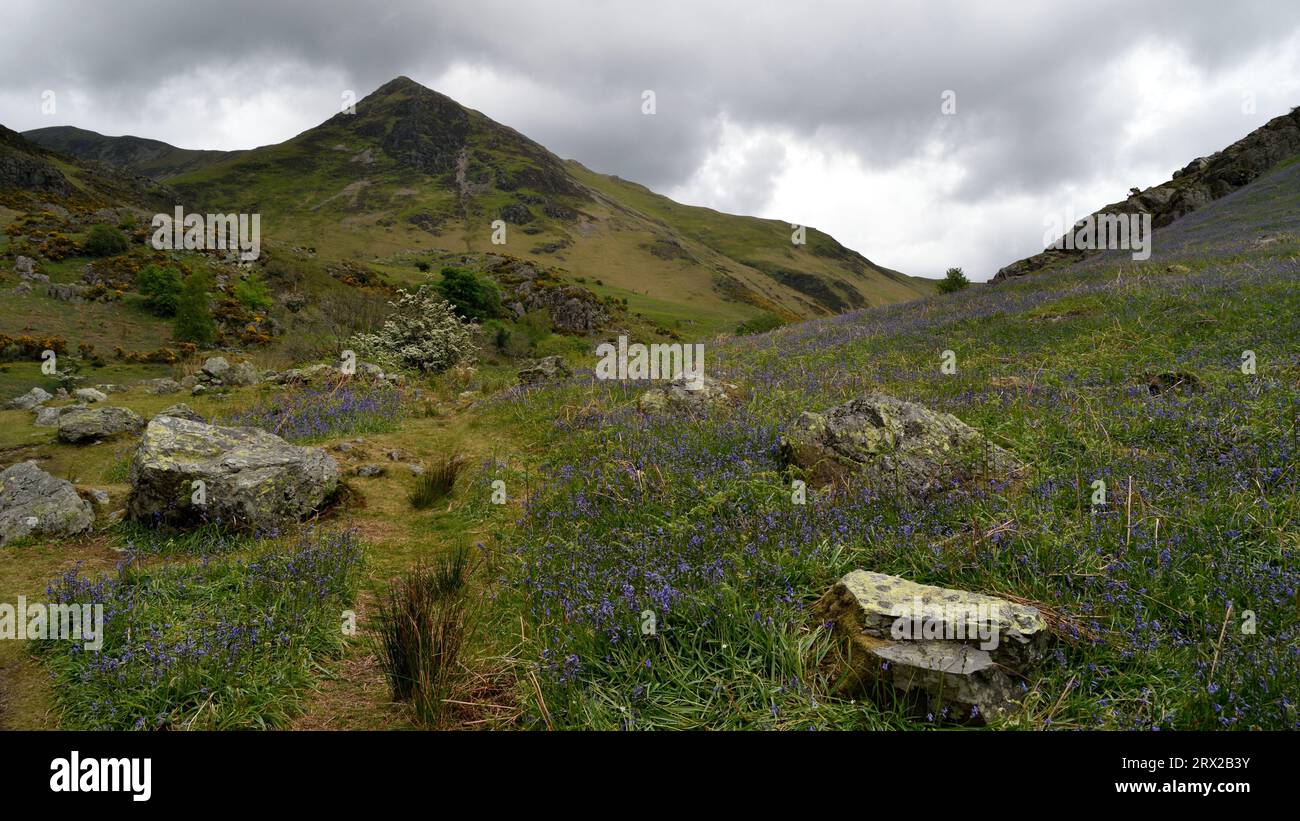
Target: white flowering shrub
{"x": 423, "y": 334}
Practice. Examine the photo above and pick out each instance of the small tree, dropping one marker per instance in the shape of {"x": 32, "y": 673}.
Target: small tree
{"x": 193, "y": 316}
{"x": 423, "y": 333}
{"x": 954, "y": 280}
{"x": 104, "y": 241}
{"x": 161, "y": 287}
{"x": 474, "y": 297}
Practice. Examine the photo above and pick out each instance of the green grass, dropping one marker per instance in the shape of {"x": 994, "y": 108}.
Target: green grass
{"x": 219, "y": 645}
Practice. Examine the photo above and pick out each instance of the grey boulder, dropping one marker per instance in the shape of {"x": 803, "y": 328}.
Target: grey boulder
{"x": 546, "y": 369}
{"x": 91, "y": 424}
{"x": 29, "y": 400}
{"x": 251, "y": 480}
{"x": 689, "y": 397}
{"x": 49, "y": 417}
{"x": 35, "y": 504}
{"x": 892, "y": 446}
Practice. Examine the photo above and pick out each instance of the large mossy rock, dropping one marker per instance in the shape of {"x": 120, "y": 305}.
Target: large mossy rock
{"x": 92, "y": 424}
{"x": 891, "y": 446}
{"x": 933, "y": 647}
{"x": 252, "y": 480}
{"x": 35, "y": 504}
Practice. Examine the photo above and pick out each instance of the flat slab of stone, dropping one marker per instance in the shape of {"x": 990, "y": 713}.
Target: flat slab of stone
{"x": 934, "y": 647}
{"x": 893, "y": 446}
{"x": 252, "y": 480}
{"x": 35, "y": 504}
{"x": 91, "y": 424}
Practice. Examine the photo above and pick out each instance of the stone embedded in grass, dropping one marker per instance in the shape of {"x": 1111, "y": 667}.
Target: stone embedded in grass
{"x": 684, "y": 396}
{"x": 160, "y": 386}
{"x": 91, "y": 424}
{"x": 252, "y": 480}
{"x": 546, "y": 369}
{"x": 89, "y": 395}
{"x": 932, "y": 647}
{"x": 29, "y": 400}
{"x": 35, "y": 504}
{"x": 893, "y": 446}
{"x": 371, "y": 470}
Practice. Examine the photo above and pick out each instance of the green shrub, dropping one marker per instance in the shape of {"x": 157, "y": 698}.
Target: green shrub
{"x": 161, "y": 287}
{"x": 475, "y": 298}
{"x": 193, "y": 315}
{"x": 104, "y": 241}
{"x": 954, "y": 280}
{"x": 254, "y": 293}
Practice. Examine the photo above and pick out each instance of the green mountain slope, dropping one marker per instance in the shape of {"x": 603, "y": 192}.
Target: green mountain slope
{"x": 412, "y": 169}
{"x": 150, "y": 158}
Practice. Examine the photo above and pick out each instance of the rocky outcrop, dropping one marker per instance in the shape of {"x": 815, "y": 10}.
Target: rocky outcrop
{"x": 1201, "y": 181}
{"x": 35, "y": 504}
{"x": 251, "y": 480}
{"x": 942, "y": 652}
{"x": 92, "y": 424}
{"x": 546, "y": 369}
{"x": 890, "y": 445}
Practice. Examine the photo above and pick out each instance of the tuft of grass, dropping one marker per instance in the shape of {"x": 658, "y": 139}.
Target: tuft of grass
{"x": 437, "y": 482}
{"x": 423, "y": 624}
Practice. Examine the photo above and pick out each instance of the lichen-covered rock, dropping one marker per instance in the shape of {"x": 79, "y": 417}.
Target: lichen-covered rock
{"x": 546, "y": 369}
{"x": 90, "y": 424}
{"x": 684, "y": 396}
{"x": 892, "y": 446}
{"x": 34, "y": 503}
{"x": 29, "y": 400}
{"x": 252, "y": 480}
{"x": 932, "y": 647}
{"x": 180, "y": 411}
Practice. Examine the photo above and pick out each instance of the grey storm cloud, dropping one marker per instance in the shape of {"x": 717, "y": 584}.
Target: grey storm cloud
{"x": 1033, "y": 112}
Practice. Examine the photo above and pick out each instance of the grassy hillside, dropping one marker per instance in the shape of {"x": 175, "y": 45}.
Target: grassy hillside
{"x": 414, "y": 170}
{"x": 612, "y": 512}
{"x": 150, "y": 158}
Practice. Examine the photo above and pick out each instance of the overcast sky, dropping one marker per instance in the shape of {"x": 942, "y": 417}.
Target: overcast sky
{"x": 828, "y": 114}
